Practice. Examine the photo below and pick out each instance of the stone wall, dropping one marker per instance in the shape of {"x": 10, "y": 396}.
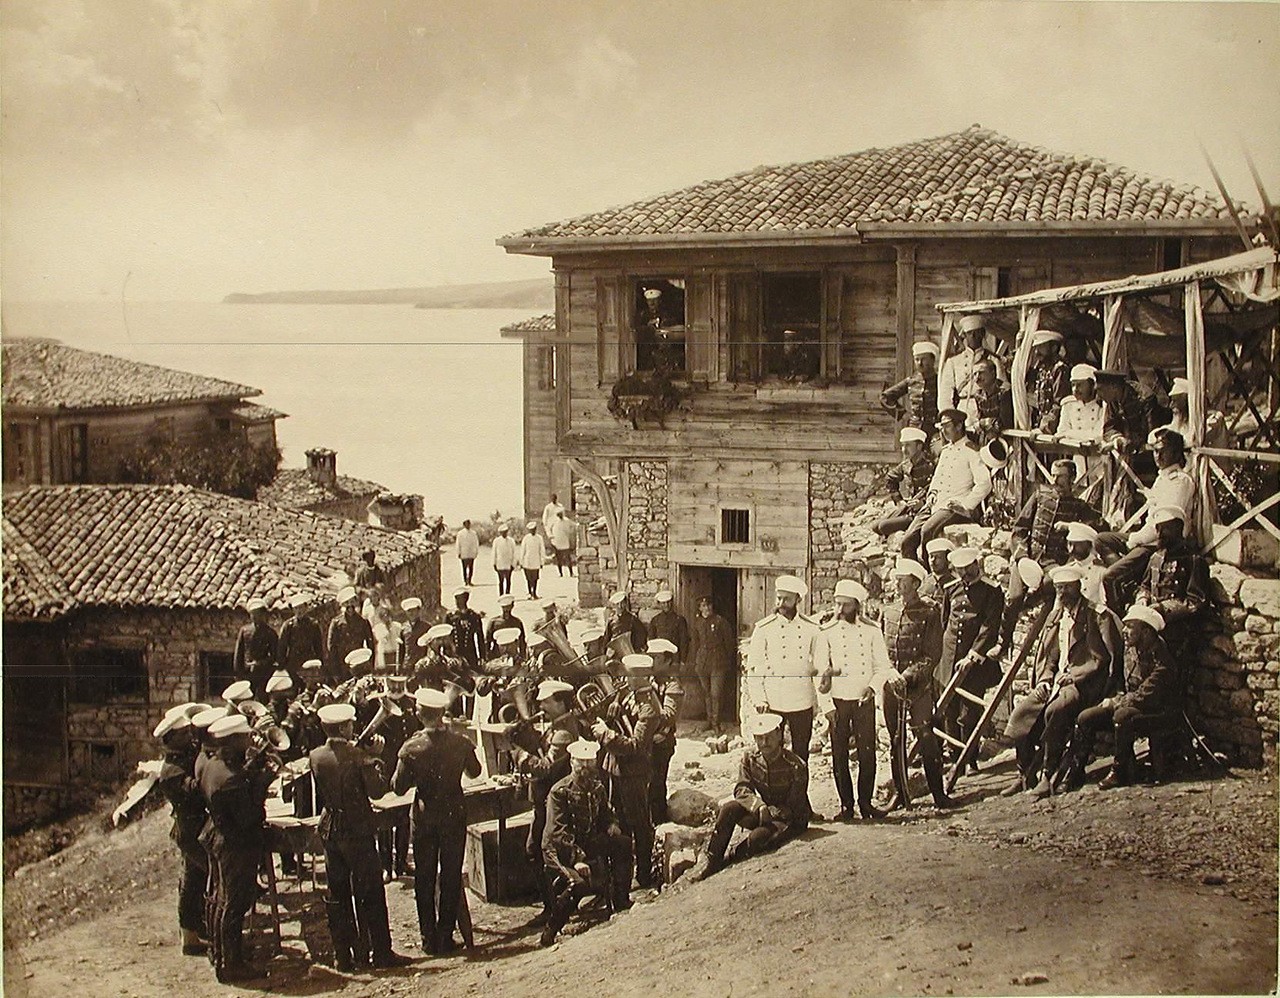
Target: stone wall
{"x": 1234, "y": 702}
{"x": 595, "y": 559}
{"x": 836, "y": 492}
{"x": 646, "y": 524}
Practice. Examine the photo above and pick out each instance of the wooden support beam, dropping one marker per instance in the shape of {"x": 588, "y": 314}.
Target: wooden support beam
{"x": 614, "y": 518}
{"x": 906, "y": 305}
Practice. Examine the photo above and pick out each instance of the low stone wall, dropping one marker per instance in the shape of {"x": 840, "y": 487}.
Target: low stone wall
{"x": 1235, "y": 702}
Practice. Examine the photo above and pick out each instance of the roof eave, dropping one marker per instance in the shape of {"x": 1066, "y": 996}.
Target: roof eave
{"x": 549, "y": 245}
{"x": 17, "y": 408}
{"x": 1093, "y": 227}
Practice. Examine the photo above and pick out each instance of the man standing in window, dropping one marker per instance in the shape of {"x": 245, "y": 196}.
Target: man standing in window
{"x": 659, "y": 329}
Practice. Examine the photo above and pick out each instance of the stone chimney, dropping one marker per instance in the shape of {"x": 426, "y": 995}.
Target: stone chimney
{"x": 322, "y": 467}
{"x": 396, "y": 512}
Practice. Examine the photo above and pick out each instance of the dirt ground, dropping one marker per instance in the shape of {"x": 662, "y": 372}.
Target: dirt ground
{"x": 1144, "y": 890}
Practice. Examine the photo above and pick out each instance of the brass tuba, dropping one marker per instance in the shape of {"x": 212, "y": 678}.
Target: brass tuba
{"x": 557, "y": 637}
{"x": 387, "y": 708}
{"x": 594, "y": 697}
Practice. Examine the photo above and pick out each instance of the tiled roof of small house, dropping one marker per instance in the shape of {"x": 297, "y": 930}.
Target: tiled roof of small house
{"x": 47, "y": 374}
{"x": 535, "y": 324}
{"x": 973, "y": 178}
{"x": 175, "y": 546}
{"x": 32, "y": 589}
{"x": 294, "y": 488}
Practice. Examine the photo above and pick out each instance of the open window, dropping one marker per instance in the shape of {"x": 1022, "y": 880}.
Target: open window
{"x": 791, "y": 306}
{"x": 659, "y": 324}
{"x": 106, "y": 675}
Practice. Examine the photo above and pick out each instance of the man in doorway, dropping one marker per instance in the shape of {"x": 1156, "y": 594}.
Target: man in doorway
{"x": 780, "y": 664}
{"x": 714, "y": 652}
{"x": 468, "y": 550}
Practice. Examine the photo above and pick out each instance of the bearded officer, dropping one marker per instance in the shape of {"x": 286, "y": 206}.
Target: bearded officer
{"x": 780, "y": 669}
{"x": 852, "y": 663}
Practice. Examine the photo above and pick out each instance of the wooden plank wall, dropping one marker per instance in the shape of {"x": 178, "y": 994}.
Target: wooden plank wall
{"x": 539, "y": 427}
{"x": 777, "y": 493}
{"x": 114, "y": 436}
{"x": 868, "y": 316}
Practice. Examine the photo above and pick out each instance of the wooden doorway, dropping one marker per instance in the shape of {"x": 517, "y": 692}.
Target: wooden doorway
{"x": 723, "y": 586}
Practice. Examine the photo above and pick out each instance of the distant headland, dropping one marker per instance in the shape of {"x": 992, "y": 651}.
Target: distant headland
{"x": 538, "y": 293}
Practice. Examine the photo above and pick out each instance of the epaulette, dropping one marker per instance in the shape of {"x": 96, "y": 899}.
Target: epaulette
{"x": 807, "y": 620}
{"x": 766, "y": 620}
{"x": 829, "y": 624}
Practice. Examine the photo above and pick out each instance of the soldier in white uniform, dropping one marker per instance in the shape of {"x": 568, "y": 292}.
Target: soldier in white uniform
{"x": 1083, "y": 556}
{"x": 852, "y": 662}
{"x": 960, "y": 482}
{"x": 958, "y": 380}
{"x": 780, "y": 669}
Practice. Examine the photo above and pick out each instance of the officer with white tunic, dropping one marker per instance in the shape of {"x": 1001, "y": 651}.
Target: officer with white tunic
{"x": 958, "y": 380}
{"x": 852, "y": 662}
{"x": 780, "y": 669}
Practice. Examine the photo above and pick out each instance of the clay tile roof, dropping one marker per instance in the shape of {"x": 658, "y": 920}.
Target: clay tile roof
{"x": 251, "y": 412}
{"x": 964, "y": 177}
{"x": 174, "y": 546}
{"x": 293, "y": 488}
{"x": 46, "y": 374}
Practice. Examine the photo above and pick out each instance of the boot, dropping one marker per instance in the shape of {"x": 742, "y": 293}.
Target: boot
{"x": 342, "y": 934}
{"x": 192, "y": 944}
{"x": 933, "y": 776}
{"x": 1116, "y": 777}
{"x": 560, "y": 914}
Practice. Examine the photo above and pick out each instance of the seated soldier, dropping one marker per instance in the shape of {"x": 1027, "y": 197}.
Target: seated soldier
{"x": 584, "y": 848}
{"x": 1069, "y": 673}
{"x": 1150, "y": 703}
{"x": 1176, "y": 581}
{"x": 1082, "y": 555}
{"x": 908, "y": 480}
{"x": 770, "y": 800}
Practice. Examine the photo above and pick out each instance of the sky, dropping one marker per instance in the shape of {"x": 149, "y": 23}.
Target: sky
{"x": 184, "y": 149}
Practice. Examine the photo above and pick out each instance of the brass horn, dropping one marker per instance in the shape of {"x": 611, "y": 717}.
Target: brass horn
{"x": 593, "y": 698}
{"x": 387, "y": 708}
{"x": 621, "y": 645}
{"x": 557, "y": 637}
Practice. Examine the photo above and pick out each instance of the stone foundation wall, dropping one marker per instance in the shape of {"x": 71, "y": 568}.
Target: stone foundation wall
{"x": 1234, "y": 701}
{"x": 646, "y": 526}
{"x": 836, "y": 491}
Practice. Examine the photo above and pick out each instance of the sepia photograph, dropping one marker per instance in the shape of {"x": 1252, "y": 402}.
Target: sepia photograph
{"x": 676, "y": 498}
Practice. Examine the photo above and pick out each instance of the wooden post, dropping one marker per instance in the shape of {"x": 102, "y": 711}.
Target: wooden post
{"x": 906, "y": 306}
{"x": 1194, "y": 316}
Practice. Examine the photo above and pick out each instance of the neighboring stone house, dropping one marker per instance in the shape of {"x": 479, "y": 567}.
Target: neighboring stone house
{"x": 74, "y": 416}
{"x": 121, "y": 600}
{"x": 318, "y": 488}
{"x": 786, "y": 298}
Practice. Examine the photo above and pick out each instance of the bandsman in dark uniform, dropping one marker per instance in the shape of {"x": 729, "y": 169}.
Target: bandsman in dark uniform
{"x": 178, "y": 784}
{"x": 347, "y": 632}
{"x": 971, "y": 640}
{"x": 416, "y": 625}
{"x": 626, "y": 737}
{"x": 1040, "y": 530}
{"x": 541, "y": 758}
{"x": 666, "y": 681}
{"x": 1150, "y": 703}
{"x": 623, "y": 621}
{"x": 433, "y": 762}
{"x": 585, "y": 849}
{"x": 669, "y": 624}
{"x": 908, "y": 480}
{"x": 235, "y": 791}
{"x": 300, "y": 639}
{"x": 506, "y": 618}
{"x": 914, "y": 400}
{"x": 394, "y": 840}
{"x": 347, "y": 776}
{"x": 257, "y": 647}
{"x": 770, "y": 799}
{"x": 714, "y": 650}
{"x": 991, "y": 407}
{"x": 913, "y": 636}
{"x": 941, "y": 583}
{"x": 468, "y": 629}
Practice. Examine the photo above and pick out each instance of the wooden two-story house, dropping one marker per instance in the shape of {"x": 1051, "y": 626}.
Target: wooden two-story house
{"x": 781, "y": 301}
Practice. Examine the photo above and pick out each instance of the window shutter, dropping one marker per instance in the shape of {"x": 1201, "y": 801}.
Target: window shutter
{"x": 744, "y": 327}
{"x": 616, "y": 341}
{"x": 832, "y": 295}
{"x": 701, "y": 355}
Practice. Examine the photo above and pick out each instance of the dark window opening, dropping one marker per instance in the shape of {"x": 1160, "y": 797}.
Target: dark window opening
{"x": 659, "y": 325}
{"x": 109, "y": 675}
{"x": 217, "y": 672}
{"x": 35, "y": 748}
{"x": 547, "y": 368}
{"x": 1170, "y": 254}
{"x": 735, "y": 526}
{"x": 222, "y": 425}
{"x": 73, "y": 453}
{"x": 792, "y": 326}
{"x": 1004, "y": 282}
{"x": 20, "y": 452}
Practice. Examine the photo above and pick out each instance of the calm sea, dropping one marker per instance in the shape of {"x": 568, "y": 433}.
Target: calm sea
{"x": 420, "y": 400}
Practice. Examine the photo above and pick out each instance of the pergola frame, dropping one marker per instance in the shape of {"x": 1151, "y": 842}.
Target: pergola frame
{"x": 1239, "y": 297}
